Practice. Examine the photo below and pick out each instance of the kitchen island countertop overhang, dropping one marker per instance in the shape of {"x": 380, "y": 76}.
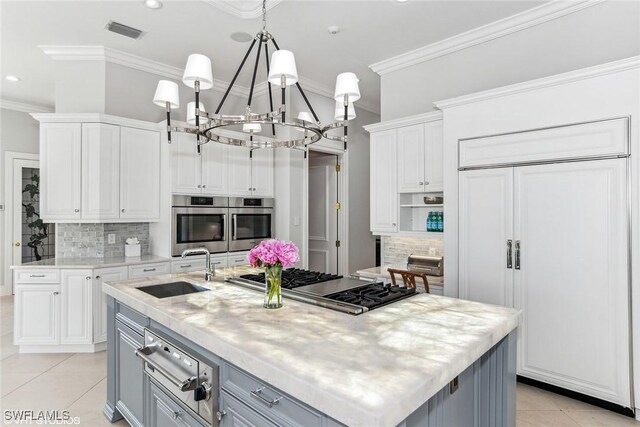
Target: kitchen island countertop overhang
{"x": 369, "y": 370}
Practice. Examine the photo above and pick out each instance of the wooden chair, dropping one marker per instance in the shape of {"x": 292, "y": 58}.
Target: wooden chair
{"x": 409, "y": 278}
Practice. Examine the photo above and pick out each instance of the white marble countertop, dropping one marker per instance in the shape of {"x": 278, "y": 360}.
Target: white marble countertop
{"x": 92, "y": 262}
{"x": 381, "y": 271}
{"x": 369, "y": 370}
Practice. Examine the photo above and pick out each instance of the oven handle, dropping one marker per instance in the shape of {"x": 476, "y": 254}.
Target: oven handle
{"x": 184, "y": 385}
{"x": 234, "y": 225}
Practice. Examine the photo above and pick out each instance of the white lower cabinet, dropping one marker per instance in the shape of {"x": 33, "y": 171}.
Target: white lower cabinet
{"x": 236, "y": 259}
{"x": 37, "y": 314}
{"x": 100, "y": 299}
{"x": 76, "y": 310}
{"x": 552, "y": 240}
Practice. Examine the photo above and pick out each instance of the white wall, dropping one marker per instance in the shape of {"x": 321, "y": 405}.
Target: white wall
{"x": 19, "y": 132}
{"x": 606, "y": 32}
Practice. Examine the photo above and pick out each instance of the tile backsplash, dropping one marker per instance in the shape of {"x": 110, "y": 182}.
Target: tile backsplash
{"x": 91, "y": 240}
{"x": 396, "y": 250}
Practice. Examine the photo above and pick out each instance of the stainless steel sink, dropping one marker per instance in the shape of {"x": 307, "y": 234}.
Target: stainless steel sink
{"x": 172, "y": 289}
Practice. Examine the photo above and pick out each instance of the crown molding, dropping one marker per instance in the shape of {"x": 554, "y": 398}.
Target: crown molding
{"x": 233, "y": 7}
{"x": 95, "y": 118}
{"x": 432, "y": 116}
{"x": 24, "y": 107}
{"x": 558, "y": 79}
{"x": 521, "y": 21}
{"x": 114, "y": 56}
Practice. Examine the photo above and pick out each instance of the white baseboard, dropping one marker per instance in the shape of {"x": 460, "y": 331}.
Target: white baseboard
{"x": 69, "y": 348}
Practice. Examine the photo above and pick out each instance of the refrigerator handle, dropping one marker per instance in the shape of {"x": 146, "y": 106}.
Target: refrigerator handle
{"x": 509, "y": 254}
{"x": 517, "y": 247}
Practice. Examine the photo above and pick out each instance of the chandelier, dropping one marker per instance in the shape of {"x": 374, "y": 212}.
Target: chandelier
{"x": 281, "y": 72}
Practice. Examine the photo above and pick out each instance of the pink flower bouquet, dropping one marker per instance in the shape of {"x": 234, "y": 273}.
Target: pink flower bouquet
{"x": 273, "y": 255}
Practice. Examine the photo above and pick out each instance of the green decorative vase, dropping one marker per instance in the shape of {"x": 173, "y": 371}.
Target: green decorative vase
{"x": 273, "y": 287}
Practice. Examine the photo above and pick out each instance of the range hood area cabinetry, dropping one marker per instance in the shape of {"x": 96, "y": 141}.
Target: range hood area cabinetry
{"x": 406, "y": 163}
{"x": 95, "y": 169}
{"x": 219, "y": 169}
{"x": 552, "y": 240}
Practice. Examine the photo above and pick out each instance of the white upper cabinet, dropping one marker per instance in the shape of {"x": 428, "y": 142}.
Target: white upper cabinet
{"x": 215, "y": 176}
{"x": 262, "y": 173}
{"x": 185, "y": 164}
{"x": 60, "y": 173}
{"x": 139, "y": 173}
{"x": 420, "y": 158}
{"x": 384, "y": 190}
{"x": 97, "y": 168}
{"x": 100, "y": 171}
{"x": 239, "y": 171}
{"x": 411, "y": 164}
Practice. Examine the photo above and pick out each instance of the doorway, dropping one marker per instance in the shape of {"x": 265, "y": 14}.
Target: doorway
{"x": 324, "y": 212}
{"x": 29, "y": 238}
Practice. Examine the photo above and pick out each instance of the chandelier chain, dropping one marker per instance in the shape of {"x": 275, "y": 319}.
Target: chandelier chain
{"x": 264, "y": 16}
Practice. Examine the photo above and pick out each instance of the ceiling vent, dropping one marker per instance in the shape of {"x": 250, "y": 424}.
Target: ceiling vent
{"x": 124, "y": 30}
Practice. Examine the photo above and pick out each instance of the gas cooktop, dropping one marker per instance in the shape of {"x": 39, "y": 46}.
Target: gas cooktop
{"x": 349, "y": 295}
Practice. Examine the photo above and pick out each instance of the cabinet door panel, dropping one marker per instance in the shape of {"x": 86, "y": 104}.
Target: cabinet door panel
{"x": 262, "y": 172}
{"x": 139, "y": 174}
{"x": 60, "y": 188}
{"x": 215, "y": 174}
{"x": 571, "y": 220}
{"x": 100, "y": 171}
{"x": 130, "y": 372}
{"x": 433, "y": 160}
{"x": 384, "y": 189}
{"x": 238, "y": 414}
{"x": 185, "y": 164}
{"x": 165, "y": 412}
{"x": 100, "y": 299}
{"x": 37, "y": 317}
{"x": 485, "y": 225}
{"x": 411, "y": 146}
{"x": 76, "y": 310}
{"x": 239, "y": 171}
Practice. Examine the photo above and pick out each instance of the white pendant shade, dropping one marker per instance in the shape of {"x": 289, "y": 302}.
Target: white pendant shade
{"x": 347, "y": 84}
{"x": 248, "y": 127}
{"x": 283, "y": 64}
{"x": 340, "y": 111}
{"x": 198, "y": 68}
{"x": 167, "y": 91}
{"x": 191, "y": 112}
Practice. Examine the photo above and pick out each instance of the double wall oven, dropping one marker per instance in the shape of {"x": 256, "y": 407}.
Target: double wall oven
{"x": 220, "y": 224}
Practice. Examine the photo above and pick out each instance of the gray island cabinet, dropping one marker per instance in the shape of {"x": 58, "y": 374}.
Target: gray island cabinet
{"x": 424, "y": 361}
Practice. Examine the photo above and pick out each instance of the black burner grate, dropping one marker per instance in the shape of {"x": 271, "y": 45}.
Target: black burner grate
{"x": 373, "y": 295}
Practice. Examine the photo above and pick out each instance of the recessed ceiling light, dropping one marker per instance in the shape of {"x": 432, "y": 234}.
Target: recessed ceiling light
{"x": 13, "y": 78}
{"x": 241, "y": 37}
{"x": 402, "y": 1}
{"x": 153, "y": 4}
{"x": 334, "y": 29}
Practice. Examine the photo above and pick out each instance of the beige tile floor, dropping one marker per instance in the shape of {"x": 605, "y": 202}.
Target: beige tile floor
{"x": 77, "y": 383}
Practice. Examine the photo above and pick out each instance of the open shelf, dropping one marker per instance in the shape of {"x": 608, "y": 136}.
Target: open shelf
{"x": 414, "y": 213}
{"x": 440, "y": 205}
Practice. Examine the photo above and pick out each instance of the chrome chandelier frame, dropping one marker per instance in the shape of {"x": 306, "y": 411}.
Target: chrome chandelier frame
{"x": 207, "y": 125}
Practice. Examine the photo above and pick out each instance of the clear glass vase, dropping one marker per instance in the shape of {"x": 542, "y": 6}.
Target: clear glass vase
{"x": 273, "y": 287}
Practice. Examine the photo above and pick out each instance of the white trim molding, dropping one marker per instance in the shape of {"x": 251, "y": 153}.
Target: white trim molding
{"x": 404, "y": 121}
{"x": 558, "y": 79}
{"x": 114, "y": 56}
{"x": 521, "y": 21}
{"x": 24, "y": 107}
{"x": 240, "y": 9}
{"x": 96, "y": 118}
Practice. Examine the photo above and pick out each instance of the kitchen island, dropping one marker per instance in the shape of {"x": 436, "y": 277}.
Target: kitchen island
{"x": 422, "y": 361}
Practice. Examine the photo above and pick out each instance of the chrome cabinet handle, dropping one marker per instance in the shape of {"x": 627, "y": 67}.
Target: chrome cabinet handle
{"x": 199, "y": 186}
{"x": 176, "y": 414}
{"x": 257, "y": 393}
{"x": 36, "y": 275}
{"x": 393, "y": 223}
{"x": 97, "y": 277}
{"x": 509, "y": 254}
{"x": 76, "y": 210}
{"x": 220, "y": 415}
{"x": 148, "y": 269}
{"x": 122, "y": 211}
{"x": 56, "y": 293}
{"x": 184, "y": 385}
{"x": 426, "y": 183}
{"x": 185, "y": 266}
{"x": 88, "y": 278}
{"x": 204, "y": 186}
{"x": 517, "y": 247}
{"x": 421, "y": 183}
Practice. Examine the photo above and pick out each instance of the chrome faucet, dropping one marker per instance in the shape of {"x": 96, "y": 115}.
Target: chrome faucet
{"x": 210, "y": 271}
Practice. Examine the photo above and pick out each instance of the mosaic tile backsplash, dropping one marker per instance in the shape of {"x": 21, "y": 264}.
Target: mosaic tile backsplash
{"x": 91, "y": 240}
{"x": 396, "y": 250}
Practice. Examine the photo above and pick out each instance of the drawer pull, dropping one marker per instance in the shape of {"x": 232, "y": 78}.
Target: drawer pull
{"x": 185, "y": 266}
{"x": 36, "y": 275}
{"x": 257, "y": 393}
{"x": 149, "y": 269}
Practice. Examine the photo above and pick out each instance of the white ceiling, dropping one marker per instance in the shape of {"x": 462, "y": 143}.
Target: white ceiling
{"x": 370, "y": 31}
